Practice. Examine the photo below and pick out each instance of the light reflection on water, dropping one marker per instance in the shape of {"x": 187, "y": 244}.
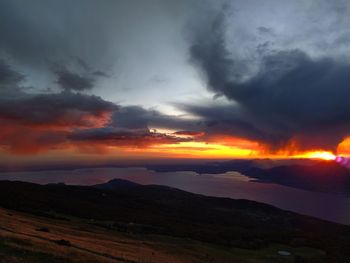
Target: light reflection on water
{"x": 231, "y": 184}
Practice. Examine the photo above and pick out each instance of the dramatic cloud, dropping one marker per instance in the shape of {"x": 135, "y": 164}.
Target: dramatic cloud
{"x": 56, "y": 110}
{"x": 291, "y": 99}
{"x": 46, "y": 121}
{"x": 276, "y": 72}
{"x": 139, "y": 118}
{"x": 19, "y": 139}
{"x": 123, "y": 137}
{"x": 131, "y": 42}
{"x": 8, "y": 76}
{"x": 72, "y": 81}
{"x": 36, "y": 122}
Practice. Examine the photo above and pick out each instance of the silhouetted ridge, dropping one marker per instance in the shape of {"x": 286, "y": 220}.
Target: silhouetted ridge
{"x": 115, "y": 184}
{"x": 158, "y": 210}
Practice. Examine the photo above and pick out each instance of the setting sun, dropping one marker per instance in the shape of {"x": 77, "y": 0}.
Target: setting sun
{"x": 324, "y": 155}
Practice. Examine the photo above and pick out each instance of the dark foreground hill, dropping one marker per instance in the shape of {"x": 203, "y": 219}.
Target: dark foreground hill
{"x": 228, "y": 229}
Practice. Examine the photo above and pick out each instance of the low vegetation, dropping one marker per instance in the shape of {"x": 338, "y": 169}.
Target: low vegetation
{"x": 156, "y": 224}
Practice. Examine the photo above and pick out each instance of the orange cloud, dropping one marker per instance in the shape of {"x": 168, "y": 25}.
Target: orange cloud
{"x": 344, "y": 147}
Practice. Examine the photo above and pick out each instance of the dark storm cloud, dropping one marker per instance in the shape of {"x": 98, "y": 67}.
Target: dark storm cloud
{"x": 58, "y": 109}
{"x": 124, "y": 137}
{"x": 291, "y": 96}
{"x": 8, "y": 76}
{"x": 286, "y": 77}
{"x": 33, "y": 123}
{"x": 133, "y": 126}
{"x": 137, "y": 117}
{"x": 133, "y": 117}
{"x": 71, "y": 81}
{"x": 42, "y": 32}
{"x": 100, "y": 73}
{"x": 42, "y": 122}
{"x": 99, "y": 37}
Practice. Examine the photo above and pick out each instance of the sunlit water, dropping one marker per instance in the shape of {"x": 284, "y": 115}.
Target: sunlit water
{"x": 331, "y": 207}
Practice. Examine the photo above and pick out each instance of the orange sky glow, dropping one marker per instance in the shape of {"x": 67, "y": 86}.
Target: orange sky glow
{"x": 228, "y": 148}
{"x": 217, "y": 147}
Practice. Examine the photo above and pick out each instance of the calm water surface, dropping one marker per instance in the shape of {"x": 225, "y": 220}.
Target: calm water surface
{"x": 331, "y": 207}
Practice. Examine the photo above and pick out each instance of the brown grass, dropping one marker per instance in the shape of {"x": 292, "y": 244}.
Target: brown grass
{"x": 88, "y": 243}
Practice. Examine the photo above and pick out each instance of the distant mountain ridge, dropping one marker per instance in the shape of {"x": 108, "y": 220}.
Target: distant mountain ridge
{"x": 115, "y": 184}
{"x": 313, "y": 175}
{"x": 320, "y": 176}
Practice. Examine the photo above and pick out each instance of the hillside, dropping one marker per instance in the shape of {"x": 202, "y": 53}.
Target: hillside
{"x": 174, "y": 224}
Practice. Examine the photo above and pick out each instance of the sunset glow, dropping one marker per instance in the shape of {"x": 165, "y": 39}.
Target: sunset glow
{"x": 324, "y": 155}
{"x": 204, "y": 150}
{"x": 166, "y": 145}
{"x": 174, "y": 86}
{"x": 221, "y": 150}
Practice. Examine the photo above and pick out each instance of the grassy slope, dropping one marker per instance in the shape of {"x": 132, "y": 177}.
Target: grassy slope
{"x": 168, "y": 226}
{"x": 22, "y": 241}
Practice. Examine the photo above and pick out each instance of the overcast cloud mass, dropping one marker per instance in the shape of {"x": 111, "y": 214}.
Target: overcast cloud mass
{"x": 118, "y": 73}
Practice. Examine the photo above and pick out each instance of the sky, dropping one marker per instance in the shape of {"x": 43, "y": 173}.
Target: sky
{"x": 103, "y": 79}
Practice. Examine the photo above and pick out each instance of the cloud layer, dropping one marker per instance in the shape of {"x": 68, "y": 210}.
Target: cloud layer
{"x": 99, "y": 74}
{"x": 40, "y": 122}
{"x": 291, "y": 99}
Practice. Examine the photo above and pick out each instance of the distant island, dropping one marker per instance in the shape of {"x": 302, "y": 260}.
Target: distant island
{"x": 320, "y": 176}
